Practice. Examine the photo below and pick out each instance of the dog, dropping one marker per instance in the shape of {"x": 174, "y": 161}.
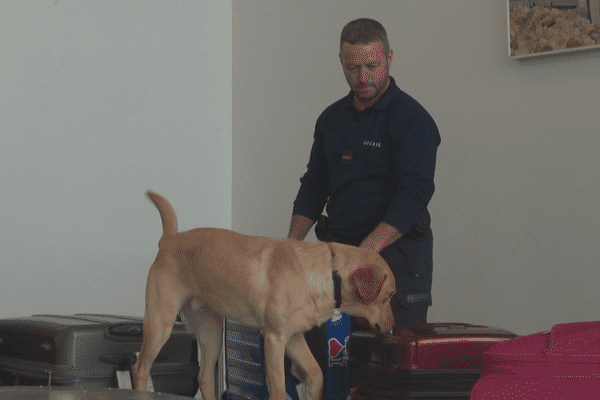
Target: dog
{"x": 283, "y": 287}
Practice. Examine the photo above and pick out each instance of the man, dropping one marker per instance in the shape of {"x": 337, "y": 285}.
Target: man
{"x": 372, "y": 162}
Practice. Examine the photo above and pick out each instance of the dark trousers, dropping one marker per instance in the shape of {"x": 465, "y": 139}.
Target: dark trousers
{"x": 411, "y": 262}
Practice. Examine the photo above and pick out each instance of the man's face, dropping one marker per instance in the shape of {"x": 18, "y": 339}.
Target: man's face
{"x": 366, "y": 68}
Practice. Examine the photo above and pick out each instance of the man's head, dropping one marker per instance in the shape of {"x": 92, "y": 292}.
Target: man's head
{"x": 366, "y": 58}
{"x": 364, "y": 31}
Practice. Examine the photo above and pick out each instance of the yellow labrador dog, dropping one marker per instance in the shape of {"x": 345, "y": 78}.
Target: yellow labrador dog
{"x": 283, "y": 287}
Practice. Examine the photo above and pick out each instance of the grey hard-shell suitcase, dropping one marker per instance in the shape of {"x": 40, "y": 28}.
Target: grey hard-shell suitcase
{"x": 80, "y": 393}
{"x": 92, "y": 350}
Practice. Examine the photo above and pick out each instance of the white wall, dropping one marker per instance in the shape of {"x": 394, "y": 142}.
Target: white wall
{"x": 101, "y": 101}
{"x": 515, "y": 211}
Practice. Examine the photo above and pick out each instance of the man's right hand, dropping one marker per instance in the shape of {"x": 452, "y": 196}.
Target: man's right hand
{"x": 299, "y": 227}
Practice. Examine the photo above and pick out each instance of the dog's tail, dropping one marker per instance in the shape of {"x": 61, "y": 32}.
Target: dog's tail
{"x": 167, "y": 213}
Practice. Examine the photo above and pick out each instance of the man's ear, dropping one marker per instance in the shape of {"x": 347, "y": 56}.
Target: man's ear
{"x": 369, "y": 281}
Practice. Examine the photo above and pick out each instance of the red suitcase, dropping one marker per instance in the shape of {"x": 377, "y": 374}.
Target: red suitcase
{"x": 558, "y": 364}
{"x": 427, "y": 361}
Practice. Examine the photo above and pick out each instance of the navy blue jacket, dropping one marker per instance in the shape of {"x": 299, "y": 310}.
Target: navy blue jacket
{"x": 370, "y": 167}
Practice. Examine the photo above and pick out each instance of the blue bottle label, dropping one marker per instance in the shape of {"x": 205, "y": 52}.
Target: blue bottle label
{"x": 336, "y": 380}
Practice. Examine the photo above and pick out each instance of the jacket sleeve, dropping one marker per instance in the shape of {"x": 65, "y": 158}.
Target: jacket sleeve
{"x": 314, "y": 185}
{"x": 415, "y": 139}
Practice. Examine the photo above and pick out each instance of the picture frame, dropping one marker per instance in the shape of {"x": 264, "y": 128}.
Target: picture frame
{"x": 539, "y": 28}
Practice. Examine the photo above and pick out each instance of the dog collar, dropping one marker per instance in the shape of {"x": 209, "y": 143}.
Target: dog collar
{"x": 337, "y": 288}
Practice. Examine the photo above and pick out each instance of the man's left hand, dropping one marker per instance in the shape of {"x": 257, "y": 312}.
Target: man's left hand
{"x": 382, "y": 236}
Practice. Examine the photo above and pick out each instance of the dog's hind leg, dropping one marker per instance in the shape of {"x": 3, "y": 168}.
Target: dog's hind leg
{"x": 297, "y": 350}
{"x": 162, "y": 307}
{"x": 208, "y": 328}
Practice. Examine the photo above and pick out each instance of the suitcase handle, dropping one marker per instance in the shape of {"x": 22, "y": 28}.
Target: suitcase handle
{"x": 455, "y": 326}
{"x": 125, "y": 361}
{"x": 128, "y": 330}
{"x": 434, "y": 326}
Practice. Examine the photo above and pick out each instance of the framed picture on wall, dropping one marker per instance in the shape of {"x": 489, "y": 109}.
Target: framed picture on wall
{"x": 547, "y": 27}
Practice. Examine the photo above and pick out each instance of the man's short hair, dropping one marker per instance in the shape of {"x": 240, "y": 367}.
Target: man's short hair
{"x": 364, "y": 31}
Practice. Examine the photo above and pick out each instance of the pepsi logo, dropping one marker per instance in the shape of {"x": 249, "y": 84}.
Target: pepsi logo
{"x": 335, "y": 348}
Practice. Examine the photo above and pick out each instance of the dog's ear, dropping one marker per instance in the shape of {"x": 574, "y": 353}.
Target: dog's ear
{"x": 369, "y": 281}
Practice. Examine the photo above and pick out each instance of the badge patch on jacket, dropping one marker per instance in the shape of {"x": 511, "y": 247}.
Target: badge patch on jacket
{"x": 347, "y": 157}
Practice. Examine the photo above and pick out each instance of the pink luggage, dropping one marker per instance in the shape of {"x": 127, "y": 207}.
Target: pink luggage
{"x": 563, "y": 363}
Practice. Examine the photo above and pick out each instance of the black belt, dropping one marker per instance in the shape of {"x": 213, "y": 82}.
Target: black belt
{"x": 323, "y": 233}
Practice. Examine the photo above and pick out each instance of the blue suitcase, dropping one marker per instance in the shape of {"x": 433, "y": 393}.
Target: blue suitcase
{"x": 245, "y": 364}
{"x": 244, "y": 359}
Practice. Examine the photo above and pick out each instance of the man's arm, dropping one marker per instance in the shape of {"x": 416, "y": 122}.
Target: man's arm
{"x": 313, "y": 193}
{"x": 382, "y": 236}
{"x": 414, "y": 164}
{"x": 299, "y": 227}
